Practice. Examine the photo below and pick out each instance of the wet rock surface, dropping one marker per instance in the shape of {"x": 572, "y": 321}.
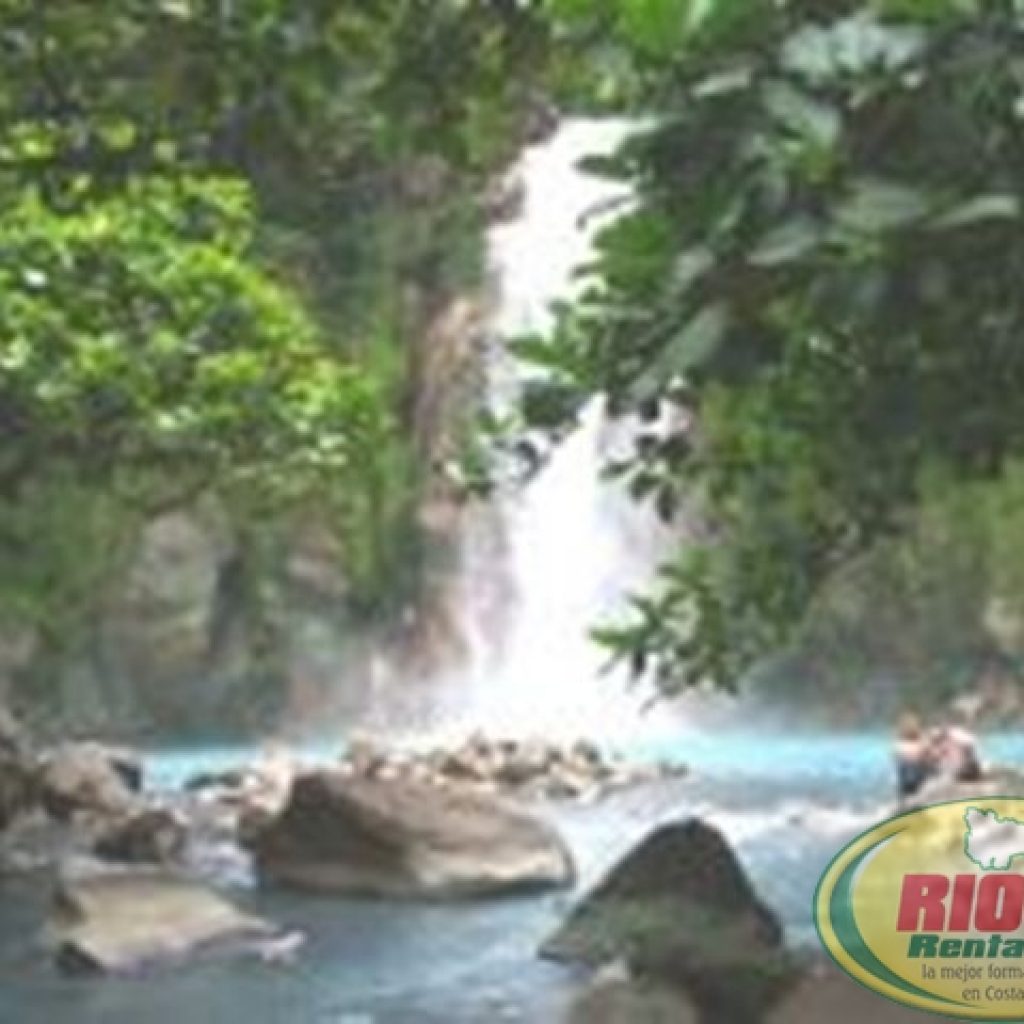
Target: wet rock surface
{"x": 81, "y": 799}
{"x": 825, "y": 995}
{"x": 615, "y": 998}
{"x": 123, "y": 921}
{"x": 148, "y": 835}
{"x": 19, "y": 790}
{"x": 88, "y": 777}
{"x": 402, "y": 839}
{"x": 528, "y": 768}
{"x": 998, "y": 781}
{"x": 679, "y": 910}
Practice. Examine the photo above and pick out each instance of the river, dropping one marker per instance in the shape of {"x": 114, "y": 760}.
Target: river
{"x": 786, "y": 802}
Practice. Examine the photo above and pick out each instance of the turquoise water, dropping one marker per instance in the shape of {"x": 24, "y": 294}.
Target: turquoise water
{"x": 170, "y": 769}
{"x": 840, "y": 761}
{"x": 788, "y": 803}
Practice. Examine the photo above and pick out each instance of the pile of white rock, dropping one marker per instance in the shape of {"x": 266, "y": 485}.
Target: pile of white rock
{"x": 531, "y": 768}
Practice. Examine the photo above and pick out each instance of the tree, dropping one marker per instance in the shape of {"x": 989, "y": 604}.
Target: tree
{"x": 143, "y": 361}
{"x": 814, "y": 302}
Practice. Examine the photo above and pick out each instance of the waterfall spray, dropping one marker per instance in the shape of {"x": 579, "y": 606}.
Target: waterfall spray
{"x": 572, "y": 547}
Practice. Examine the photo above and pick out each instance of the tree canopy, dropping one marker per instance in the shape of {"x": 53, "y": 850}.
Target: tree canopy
{"x": 222, "y": 229}
{"x": 814, "y": 304}
{"x": 137, "y": 337}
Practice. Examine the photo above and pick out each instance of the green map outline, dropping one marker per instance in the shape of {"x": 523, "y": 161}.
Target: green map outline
{"x": 999, "y": 820}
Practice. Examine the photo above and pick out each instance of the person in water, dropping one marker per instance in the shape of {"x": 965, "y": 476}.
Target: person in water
{"x": 958, "y": 757}
{"x": 949, "y": 752}
{"x": 915, "y": 762}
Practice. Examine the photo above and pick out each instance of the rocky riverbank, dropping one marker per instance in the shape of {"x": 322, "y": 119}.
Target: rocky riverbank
{"x": 530, "y": 768}
{"x": 677, "y": 934}
{"x": 673, "y": 932}
{"x": 438, "y": 824}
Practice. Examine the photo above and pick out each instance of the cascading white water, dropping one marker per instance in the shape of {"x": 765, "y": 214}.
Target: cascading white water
{"x": 571, "y": 547}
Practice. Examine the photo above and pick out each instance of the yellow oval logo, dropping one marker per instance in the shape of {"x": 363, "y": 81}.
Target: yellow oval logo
{"x": 927, "y": 909}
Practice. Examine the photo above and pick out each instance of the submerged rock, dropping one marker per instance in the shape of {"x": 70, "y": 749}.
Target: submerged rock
{"x": 618, "y": 999}
{"x": 116, "y": 922}
{"x": 395, "y": 838}
{"x": 680, "y": 910}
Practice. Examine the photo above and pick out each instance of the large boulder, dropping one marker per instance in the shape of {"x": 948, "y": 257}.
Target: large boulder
{"x": 88, "y": 777}
{"x": 680, "y": 910}
{"x": 116, "y": 922}
{"x": 396, "y": 838}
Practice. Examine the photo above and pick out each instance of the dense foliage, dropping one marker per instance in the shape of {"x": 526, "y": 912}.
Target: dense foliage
{"x": 145, "y": 360}
{"x": 815, "y": 303}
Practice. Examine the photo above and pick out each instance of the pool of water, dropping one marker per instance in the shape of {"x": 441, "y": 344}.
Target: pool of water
{"x": 788, "y": 803}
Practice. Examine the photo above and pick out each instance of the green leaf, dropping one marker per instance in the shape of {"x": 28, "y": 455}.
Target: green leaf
{"x": 978, "y": 210}
{"x": 690, "y": 267}
{"x": 698, "y": 340}
{"x": 118, "y": 133}
{"x": 180, "y": 9}
{"x": 657, "y": 26}
{"x": 852, "y": 46}
{"x": 548, "y": 403}
{"x": 723, "y": 83}
{"x": 787, "y": 243}
{"x": 35, "y": 279}
{"x": 810, "y": 118}
{"x": 874, "y": 206}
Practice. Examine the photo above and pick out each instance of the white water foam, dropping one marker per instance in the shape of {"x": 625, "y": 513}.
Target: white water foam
{"x": 809, "y": 818}
{"x": 572, "y": 547}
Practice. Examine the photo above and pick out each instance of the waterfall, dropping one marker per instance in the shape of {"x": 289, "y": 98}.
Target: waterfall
{"x": 548, "y": 561}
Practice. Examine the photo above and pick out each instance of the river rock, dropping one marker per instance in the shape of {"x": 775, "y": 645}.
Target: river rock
{"x": 531, "y": 768}
{"x": 827, "y": 996}
{"x": 503, "y": 198}
{"x": 150, "y": 835}
{"x": 13, "y": 736}
{"x": 19, "y": 788}
{"x": 128, "y": 766}
{"x": 680, "y": 910}
{"x": 617, "y": 999}
{"x": 364, "y": 757}
{"x": 87, "y": 777}
{"x": 542, "y": 121}
{"x": 998, "y": 781}
{"x": 397, "y": 838}
{"x": 122, "y": 921}
{"x": 231, "y": 780}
